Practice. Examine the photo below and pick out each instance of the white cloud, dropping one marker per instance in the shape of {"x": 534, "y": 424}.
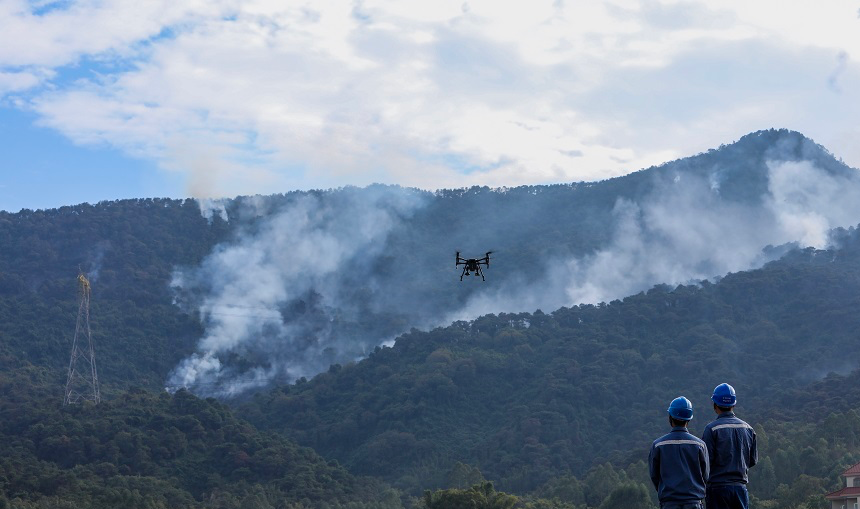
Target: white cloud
{"x": 62, "y": 35}
{"x": 255, "y": 96}
{"x": 21, "y": 80}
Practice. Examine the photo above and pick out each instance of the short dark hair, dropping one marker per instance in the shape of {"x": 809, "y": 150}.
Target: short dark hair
{"x": 724, "y": 408}
{"x": 678, "y": 422}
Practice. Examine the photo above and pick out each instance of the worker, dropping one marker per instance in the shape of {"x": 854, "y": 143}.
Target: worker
{"x": 678, "y": 462}
{"x": 732, "y": 449}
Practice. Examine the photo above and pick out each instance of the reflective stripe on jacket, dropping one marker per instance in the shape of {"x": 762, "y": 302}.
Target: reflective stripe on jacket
{"x": 732, "y": 449}
{"x": 678, "y": 464}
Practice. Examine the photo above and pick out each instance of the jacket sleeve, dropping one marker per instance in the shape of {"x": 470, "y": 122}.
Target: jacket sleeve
{"x": 708, "y": 438}
{"x": 705, "y": 460}
{"x": 753, "y": 451}
{"x": 654, "y": 466}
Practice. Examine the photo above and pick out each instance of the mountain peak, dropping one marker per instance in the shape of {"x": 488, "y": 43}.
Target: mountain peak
{"x": 741, "y": 170}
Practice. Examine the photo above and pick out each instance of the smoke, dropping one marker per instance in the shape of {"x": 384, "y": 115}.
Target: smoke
{"x": 808, "y": 202}
{"x": 96, "y": 260}
{"x": 313, "y": 279}
{"x": 841, "y": 66}
{"x": 687, "y": 231}
{"x": 274, "y": 301}
{"x": 212, "y": 207}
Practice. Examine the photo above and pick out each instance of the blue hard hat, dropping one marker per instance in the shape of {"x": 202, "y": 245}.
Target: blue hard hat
{"x": 724, "y": 395}
{"x": 681, "y": 409}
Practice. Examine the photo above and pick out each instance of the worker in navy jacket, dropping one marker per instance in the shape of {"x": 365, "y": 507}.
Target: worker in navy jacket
{"x": 732, "y": 450}
{"x": 678, "y": 462}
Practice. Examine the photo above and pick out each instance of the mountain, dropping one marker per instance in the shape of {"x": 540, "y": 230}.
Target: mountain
{"x": 229, "y": 296}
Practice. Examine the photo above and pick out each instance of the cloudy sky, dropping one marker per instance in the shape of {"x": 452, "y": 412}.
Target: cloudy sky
{"x": 122, "y": 98}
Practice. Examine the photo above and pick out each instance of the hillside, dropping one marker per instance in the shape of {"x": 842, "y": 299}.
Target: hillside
{"x": 528, "y": 397}
{"x": 128, "y": 248}
{"x": 270, "y": 289}
{"x": 144, "y": 450}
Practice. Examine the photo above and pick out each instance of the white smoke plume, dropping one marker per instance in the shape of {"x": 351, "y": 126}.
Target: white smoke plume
{"x": 212, "y": 207}
{"x": 96, "y": 260}
{"x": 268, "y": 300}
{"x": 685, "y": 231}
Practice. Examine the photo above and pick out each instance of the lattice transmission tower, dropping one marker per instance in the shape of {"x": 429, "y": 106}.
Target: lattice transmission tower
{"x": 82, "y": 383}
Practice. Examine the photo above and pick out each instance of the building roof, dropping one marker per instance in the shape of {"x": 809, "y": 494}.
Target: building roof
{"x": 844, "y": 492}
{"x": 853, "y": 470}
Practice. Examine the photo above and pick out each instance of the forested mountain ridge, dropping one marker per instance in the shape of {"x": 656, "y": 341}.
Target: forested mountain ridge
{"x": 553, "y": 244}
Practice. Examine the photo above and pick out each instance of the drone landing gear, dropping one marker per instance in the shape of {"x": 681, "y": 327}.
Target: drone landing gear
{"x": 478, "y": 272}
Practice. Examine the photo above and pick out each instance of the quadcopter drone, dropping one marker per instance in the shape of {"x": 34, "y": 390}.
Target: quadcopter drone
{"x": 473, "y": 265}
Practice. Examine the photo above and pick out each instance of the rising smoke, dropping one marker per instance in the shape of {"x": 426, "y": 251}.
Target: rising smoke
{"x": 304, "y": 286}
{"x": 95, "y": 260}
{"x": 273, "y": 300}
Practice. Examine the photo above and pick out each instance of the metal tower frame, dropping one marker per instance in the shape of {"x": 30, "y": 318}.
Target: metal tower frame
{"x": 82, "y": 383}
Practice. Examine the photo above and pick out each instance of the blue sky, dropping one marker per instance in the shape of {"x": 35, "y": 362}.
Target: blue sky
{"x": 41, "y": 168}
{"x": 102, "y": 101}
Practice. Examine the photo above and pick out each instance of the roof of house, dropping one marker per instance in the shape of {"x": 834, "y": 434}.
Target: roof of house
{"x": 853, "y": 470}
{"x": 844, "y": 492}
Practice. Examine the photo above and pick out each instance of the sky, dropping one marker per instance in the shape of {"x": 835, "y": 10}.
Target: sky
{"x": 217, "y": 98}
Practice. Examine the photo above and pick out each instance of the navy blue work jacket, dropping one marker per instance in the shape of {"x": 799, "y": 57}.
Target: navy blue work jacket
{"x": 732, "y": 449}
{"x": 679, "y": 467}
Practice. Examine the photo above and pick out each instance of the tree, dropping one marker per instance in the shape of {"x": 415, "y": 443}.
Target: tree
{"x": 599, "y": 483}
{"x": 462, "y": 475}
{"x": 479, "y": 496}
{"x": 628, "y": 496}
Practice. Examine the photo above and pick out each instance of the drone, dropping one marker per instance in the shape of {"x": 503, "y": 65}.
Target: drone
{"x": 473, "y": 265}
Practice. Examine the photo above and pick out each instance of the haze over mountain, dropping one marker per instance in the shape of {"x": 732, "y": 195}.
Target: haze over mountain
{"x": 285, "y": 285}
{"x": 310, "y": 279}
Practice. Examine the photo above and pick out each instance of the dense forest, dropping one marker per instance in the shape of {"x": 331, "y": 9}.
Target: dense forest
{"x": 144, "y": 450}
{"x": 546, "y": 408}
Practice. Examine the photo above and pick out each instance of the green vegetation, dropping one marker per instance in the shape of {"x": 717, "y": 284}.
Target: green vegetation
{"x": 129, "y": 248}
{"x": 557, "y": 409}
{"x": 483, "y": 496}
{"x": 142, "y": 450}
